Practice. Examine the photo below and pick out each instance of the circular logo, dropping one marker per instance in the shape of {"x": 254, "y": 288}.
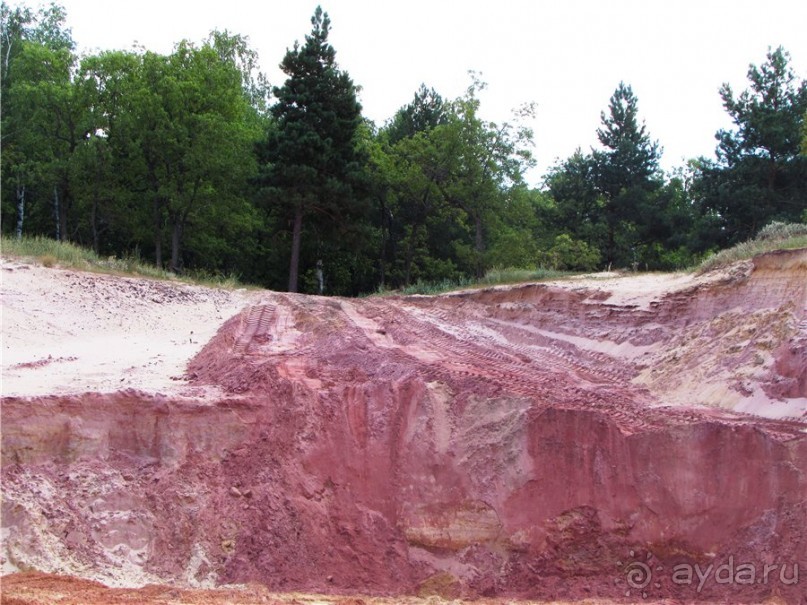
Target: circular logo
{"x": 639, "y": 575}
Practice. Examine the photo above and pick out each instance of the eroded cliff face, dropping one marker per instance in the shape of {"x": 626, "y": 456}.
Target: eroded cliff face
{"x": 540, "y": 440}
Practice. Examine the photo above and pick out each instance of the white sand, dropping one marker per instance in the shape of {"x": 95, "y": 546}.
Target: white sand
{"x": 71, "y": 332}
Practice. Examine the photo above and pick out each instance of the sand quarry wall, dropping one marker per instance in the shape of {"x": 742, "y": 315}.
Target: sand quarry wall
{"x": 505, "y": 442}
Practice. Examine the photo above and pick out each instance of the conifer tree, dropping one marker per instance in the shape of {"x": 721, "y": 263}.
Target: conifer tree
{"x": 312, "y": 158}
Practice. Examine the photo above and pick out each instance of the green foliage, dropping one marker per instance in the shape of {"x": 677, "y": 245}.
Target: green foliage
{"x": 488, "y": 160}
{"x": 777, "y": 231}
{"x": 512, "y": 247}
{"x": 313, "y": 163}
{"x": 626, "y": 176}
{"x": 185, "y": 157}
{"x": 70, "y": 255}
{"x": 43, "y": 124}
{"x": 614, "y": 199}
{"x": 631, "y": 157}
{"x": 495, "y": 276}
{"x": 427, "y": 110}
{"x": 567, "y": 254}
{"x": 129, "y": 149}
{"x": 449, "y": 190}
{"x": 804, "y": 134}
{"x": 234, "y": 50}
{"x": 759, "y": 174}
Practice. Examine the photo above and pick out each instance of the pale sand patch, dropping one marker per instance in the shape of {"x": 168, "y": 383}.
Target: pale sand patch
{"x": 631, "y": 289}
{"x": 638, "y": 289}
{"x": 71, "y": 332}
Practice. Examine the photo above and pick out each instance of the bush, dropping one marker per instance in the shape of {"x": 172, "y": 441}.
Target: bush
{"x": 567, "y": 254}
{"x": 49, "y": 252}
{"x": 781, "y": 231}
{"x": 47, "y": 260}
{"x": 492, "y": 277}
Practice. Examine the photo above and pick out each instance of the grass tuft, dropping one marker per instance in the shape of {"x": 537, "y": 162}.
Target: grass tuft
{"x": 776, "y": 236}
{"x": 51, "y": 253}
{"x": 48, "y": 260}
{"x": 495, "y": 276}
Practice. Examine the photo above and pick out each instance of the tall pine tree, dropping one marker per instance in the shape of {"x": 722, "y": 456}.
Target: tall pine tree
{"x": 426, "y": 111}
{"x": 626, "y": 173}
{"x": 312, "y": 157}
{"x": 759, "y": 175}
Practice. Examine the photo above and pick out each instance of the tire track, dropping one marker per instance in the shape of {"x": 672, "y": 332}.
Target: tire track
{"x": 257, "y": 326}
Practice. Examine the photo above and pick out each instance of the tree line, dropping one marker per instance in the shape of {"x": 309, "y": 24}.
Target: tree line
{"x": 192, "y": 160}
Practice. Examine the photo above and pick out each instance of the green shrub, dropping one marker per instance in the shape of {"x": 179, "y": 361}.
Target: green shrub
{"x": 567, "y": 254}
{"x": 493, "y": 277}
{"x": 776, "y": 231}
{"x": 47, "y": 260}
{"x": 50, "y": 250}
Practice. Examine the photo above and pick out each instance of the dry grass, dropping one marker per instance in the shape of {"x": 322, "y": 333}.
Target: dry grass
{"x": 48, "y": 260}
{"x": 51, "y": 253}
{"x": 776, "y": 236}
{"x": 493, "y": 277}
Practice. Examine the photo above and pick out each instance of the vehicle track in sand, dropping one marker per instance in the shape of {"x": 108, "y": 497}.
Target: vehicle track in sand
{"x": 257, "y": 326}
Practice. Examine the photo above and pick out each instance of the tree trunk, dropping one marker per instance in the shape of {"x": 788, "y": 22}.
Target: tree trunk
{"x": 176, "y": 241}
{"x": 94, "y": 221}
{"x": 610, "y": 244}
{"x": 320, "y": 278}
{"x": 158, "y": 233}
{"x": 20, "y": 210}
{"x": 96, "y": 202}
{"x": 480, "y": 247}
{"x": 64, "y": 203}
{"x": 383, "y": 249}
{"x": 57, "y": 213}
{"x": 410, "y": 254}
{"x": 8, "y": 46}
{"x": 296, "y": 237}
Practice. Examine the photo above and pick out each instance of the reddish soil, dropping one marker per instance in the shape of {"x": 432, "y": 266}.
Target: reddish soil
{"x": 540, "y": 441}
{"x": 39, "y": 589}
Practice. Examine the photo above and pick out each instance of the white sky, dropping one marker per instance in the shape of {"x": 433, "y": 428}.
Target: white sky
{"x": 566, "y": 55}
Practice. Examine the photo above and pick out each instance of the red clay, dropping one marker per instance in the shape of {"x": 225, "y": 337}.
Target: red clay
{"x": 533, "y": 441}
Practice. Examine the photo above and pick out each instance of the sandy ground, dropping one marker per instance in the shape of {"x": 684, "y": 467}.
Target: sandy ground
{"x": 639, "y": 290}
{"x": 636, "y": 289}
{"x": 70, "y": 332}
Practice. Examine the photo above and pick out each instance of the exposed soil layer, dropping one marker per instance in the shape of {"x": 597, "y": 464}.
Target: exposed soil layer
{"x": 541, "y": 441}
{"x": 33, "y": 588}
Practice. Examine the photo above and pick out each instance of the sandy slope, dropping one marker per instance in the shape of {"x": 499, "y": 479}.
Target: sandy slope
{"x": 71, "y": 332}
{"x": 68, "y": 332}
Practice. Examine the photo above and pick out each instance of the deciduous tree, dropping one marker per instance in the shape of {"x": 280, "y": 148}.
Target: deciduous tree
{"x": 41, "y": 118}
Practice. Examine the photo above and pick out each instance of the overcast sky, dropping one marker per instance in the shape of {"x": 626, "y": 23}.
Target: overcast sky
{"x": 566, "y": 55}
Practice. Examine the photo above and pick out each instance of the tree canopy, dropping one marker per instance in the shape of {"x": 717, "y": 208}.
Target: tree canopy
{"x": 312, "y": 156}
{"x": 193, "y": 161}
{"x": 759, "y": 175}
